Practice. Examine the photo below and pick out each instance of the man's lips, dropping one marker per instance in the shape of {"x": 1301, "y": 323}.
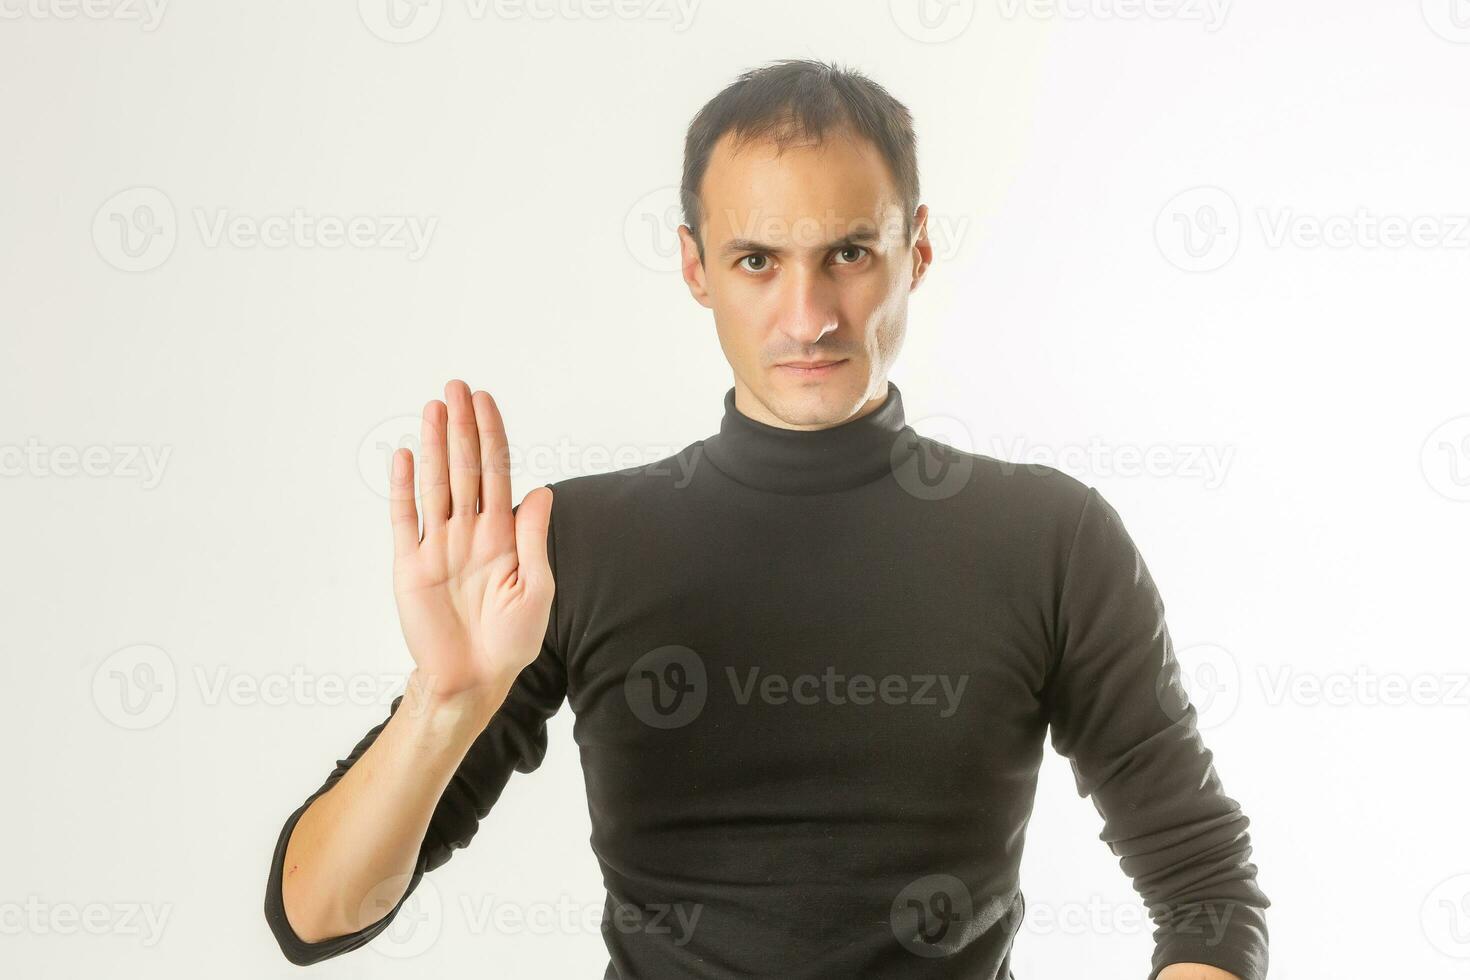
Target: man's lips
{"x": 811, "y": 368}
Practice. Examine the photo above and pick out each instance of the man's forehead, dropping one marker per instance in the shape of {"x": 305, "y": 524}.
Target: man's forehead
{"x": 799, "y": 195}
{"x": 729, "y": 234}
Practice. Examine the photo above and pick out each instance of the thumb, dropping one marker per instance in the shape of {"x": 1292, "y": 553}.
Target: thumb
{"x": 533, "y": 523}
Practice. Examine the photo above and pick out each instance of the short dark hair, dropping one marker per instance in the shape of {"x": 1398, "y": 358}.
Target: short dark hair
{"x": 795, "y": 99}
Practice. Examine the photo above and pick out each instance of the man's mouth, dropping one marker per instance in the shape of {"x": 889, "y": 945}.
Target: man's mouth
{"x": 811, "y": 369}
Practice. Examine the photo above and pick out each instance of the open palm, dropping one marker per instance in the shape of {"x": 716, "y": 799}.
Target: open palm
{"x": 473, "y": 586}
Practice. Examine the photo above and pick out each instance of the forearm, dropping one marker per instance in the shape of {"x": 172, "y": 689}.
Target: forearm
{"x": 1194, "y": 971}
{"x": 351, "y": 853}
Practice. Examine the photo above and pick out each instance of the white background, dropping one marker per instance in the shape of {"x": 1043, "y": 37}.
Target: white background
{"x": 1301, "y": 406}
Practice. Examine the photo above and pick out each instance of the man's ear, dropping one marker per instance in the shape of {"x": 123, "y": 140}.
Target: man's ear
{"x": 692, "y": 267}
{"x": 923, "y": 251}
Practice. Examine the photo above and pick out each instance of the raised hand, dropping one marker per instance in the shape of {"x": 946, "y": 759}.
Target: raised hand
{"x": 474, "y": 587}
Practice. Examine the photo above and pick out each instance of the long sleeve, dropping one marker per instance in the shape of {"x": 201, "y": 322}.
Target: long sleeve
{"x": 1119, "y": 713}
{"x": 514, "y": 740}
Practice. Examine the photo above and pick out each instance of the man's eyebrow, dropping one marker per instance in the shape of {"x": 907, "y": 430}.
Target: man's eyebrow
{"x": 736, "y": 246}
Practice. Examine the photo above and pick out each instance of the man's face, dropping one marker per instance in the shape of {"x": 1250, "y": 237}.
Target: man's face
{"x": 805, "y": 260}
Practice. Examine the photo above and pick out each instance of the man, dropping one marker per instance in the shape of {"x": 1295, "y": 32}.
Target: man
{"x": 813, "y": 657}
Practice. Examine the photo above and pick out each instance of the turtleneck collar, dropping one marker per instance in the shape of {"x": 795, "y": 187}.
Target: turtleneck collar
{"x": 810, "y": 461}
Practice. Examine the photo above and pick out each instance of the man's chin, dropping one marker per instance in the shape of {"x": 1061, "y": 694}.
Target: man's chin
{"x": 815, "y": 401}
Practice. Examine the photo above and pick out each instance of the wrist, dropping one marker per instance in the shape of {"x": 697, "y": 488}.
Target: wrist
{"x": 463, "y": 713}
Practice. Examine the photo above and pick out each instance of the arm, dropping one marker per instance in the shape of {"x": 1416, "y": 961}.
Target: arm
{"x": 1119, "y": 712}
{"x": 1194, "y": 971}
{"x": 354, "y": 849}
{"x": 474, "y": 593}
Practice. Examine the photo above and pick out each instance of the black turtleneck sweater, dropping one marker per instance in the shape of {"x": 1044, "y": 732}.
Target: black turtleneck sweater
{"x": 813, "y": 674}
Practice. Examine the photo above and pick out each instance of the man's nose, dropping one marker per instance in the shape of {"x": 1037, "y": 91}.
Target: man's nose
{"x": 809, "y": 306}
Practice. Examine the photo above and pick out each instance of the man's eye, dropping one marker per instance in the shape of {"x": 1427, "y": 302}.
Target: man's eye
{"x": 860, "y": 250}
{"x": 757, "y": 257}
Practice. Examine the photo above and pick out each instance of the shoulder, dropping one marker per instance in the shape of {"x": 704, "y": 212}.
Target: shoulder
{"x": 1031, "y": 494}
{"x": 628, "y": 491}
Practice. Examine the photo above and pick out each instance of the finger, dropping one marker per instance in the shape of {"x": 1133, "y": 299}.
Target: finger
{"x": 494, "y": 456}
{"x": 464, "y": 451}
{"x": 401, "y": 508}
{"x": 533, "y": 519}
{"x": 434, "y": 471}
